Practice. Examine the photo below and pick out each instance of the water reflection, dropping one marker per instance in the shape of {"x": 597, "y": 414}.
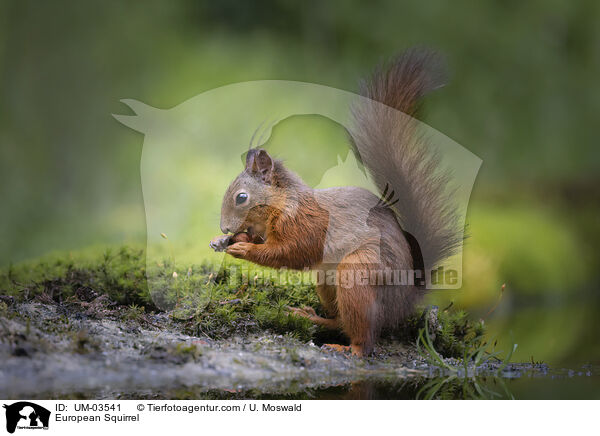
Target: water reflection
{"x": 447, "y": 388}
{"x": 518, "y": 382}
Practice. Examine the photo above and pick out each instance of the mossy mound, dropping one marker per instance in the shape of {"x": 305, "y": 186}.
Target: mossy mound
{"x": 205, "y": 300}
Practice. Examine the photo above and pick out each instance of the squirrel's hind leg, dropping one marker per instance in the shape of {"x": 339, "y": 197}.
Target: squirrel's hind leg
{"x": 357, "y": 303}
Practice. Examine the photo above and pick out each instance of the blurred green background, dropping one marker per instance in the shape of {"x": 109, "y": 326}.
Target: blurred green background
{"x": 523, "y": 96}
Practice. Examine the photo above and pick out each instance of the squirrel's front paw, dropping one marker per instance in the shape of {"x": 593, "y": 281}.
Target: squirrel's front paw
{"x": 239, "y": 249}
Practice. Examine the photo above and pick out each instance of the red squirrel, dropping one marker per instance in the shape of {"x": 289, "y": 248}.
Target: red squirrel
{"x": 279, "y": 221}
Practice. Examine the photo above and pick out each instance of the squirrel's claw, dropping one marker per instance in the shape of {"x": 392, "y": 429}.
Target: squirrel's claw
{"x": 304, "y": 312}
{"x": 337, "y": 348}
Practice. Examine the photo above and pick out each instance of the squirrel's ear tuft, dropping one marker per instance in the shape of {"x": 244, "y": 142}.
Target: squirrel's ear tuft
{"x": 260, "y": 163}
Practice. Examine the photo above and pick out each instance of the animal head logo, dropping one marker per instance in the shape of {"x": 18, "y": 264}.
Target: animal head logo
{"x": 192, "y": 152}
{"x": 26, "y": 415}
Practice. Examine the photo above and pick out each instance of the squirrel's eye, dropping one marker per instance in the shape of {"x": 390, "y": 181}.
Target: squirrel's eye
{"x": 241, "y": 198}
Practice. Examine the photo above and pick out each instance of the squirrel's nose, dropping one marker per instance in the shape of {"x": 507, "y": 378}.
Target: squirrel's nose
{"x": 225, "y": 230}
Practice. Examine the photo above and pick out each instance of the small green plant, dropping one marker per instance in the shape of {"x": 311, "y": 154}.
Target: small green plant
{"x": 134, "y": 312}
{"x": 476, "y": 353}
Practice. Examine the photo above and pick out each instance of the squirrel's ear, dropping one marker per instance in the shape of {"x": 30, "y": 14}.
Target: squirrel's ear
{"x": 259, "y": 162}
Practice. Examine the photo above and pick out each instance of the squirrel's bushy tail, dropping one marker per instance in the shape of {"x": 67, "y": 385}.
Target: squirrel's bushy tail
{"x": 399, "y": 158}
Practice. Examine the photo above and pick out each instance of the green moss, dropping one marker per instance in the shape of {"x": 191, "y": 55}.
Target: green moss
{"x": 204, "y": 300}
{"x": 120, "y": 274}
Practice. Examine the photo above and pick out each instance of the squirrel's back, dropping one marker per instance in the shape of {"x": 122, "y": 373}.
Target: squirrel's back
{"x": 357, "y": 217}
